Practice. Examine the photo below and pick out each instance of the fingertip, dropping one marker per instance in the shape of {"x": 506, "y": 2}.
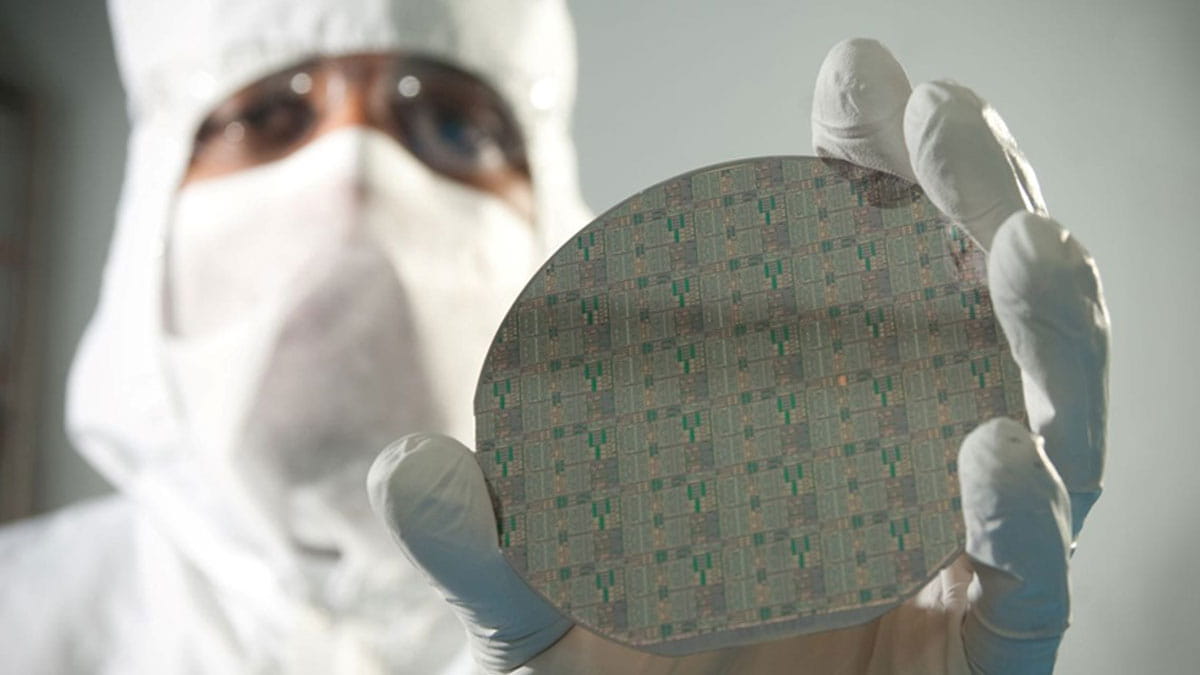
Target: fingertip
{"x": 858, "y": 104}
{"x": 933, "y": 104}
{"x": 1002, "y": 450}
{"x": 409, "y": 470}
{"x": 1035, "y": 260}
{"x": 862, "y": 83}
{"x": 1004, "y": 473}
{"x": 963, "y": 166}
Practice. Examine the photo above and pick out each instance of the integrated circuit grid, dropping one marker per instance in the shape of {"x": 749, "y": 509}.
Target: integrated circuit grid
{"x": 729, "y": 409}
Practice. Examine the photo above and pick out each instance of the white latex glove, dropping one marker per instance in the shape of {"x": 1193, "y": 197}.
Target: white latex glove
{"x": 1003, "y": 606}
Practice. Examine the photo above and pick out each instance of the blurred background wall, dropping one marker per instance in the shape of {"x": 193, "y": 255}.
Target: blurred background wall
{"x": 58, "y": 54}
{"x": 1101, "y": 96}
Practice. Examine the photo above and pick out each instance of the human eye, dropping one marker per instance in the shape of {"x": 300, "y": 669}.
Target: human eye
{"x": 276, "y": 121}
{"x": 458, "y": 127}
{"x": 259, "y": 124}
{"x": 456, "y": 139}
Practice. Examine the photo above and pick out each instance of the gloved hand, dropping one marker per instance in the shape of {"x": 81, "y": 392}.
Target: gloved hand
{"x": 1003, "y": 606}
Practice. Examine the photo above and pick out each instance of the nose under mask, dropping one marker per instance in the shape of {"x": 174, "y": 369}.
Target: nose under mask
{"x": 321, "y": 306}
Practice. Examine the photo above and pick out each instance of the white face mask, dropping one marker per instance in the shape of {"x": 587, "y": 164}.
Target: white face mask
{"x": 321, "y": 306}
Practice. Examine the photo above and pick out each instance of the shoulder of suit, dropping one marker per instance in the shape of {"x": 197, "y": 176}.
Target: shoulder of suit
{"x": 67, "y": 584}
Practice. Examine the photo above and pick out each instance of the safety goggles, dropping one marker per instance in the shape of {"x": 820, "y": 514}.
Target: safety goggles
{"x": 449, "y": 119}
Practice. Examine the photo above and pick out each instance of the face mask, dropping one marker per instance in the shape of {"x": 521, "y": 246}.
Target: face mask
{"x": 318, "y": 308}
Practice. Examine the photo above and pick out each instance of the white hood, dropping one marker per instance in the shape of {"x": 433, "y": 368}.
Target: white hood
{"x": 178, "y": 60}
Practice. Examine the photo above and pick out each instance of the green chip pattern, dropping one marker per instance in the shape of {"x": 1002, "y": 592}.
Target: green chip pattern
{"x": 730, "y": 407}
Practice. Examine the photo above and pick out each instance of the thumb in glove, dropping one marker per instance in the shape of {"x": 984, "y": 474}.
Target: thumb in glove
{"x": 432, "y": 495}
